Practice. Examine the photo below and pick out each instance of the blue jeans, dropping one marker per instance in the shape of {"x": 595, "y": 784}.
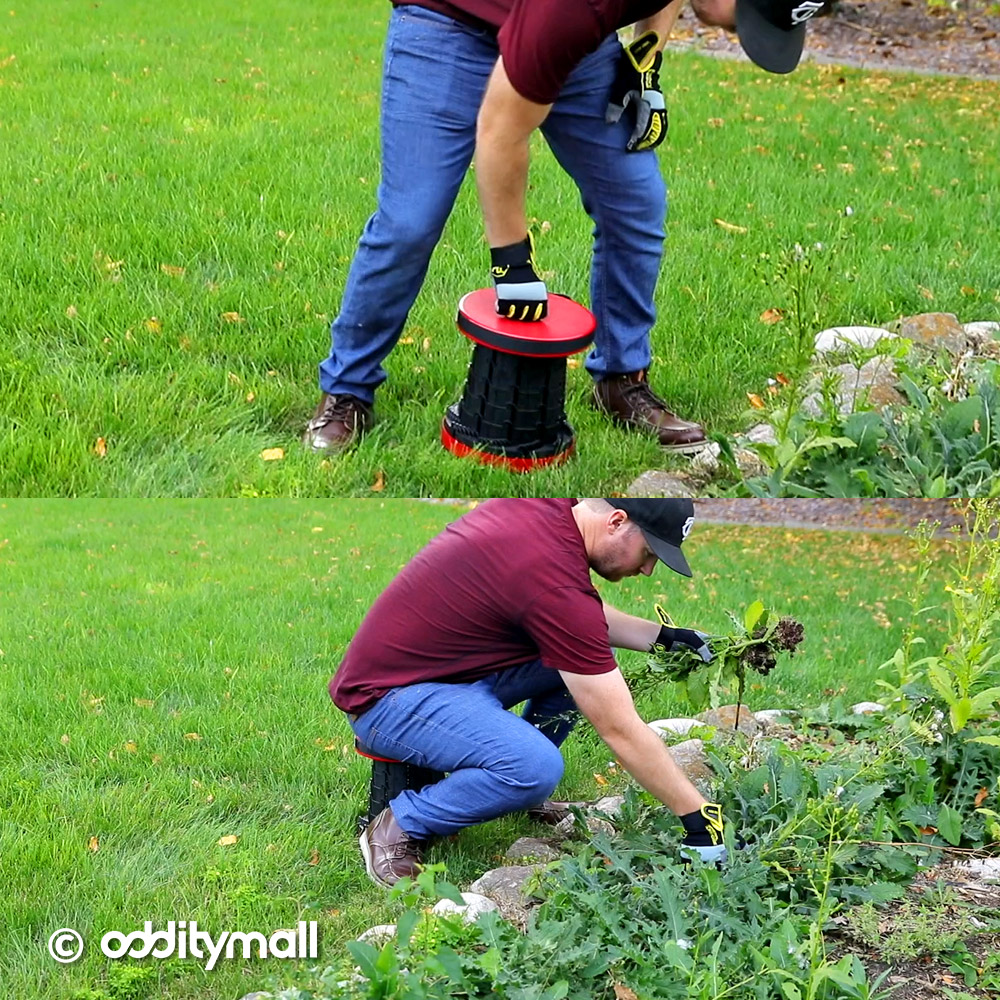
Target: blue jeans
{"x": 496, "y": 762}
{"x": 434, "y": 75}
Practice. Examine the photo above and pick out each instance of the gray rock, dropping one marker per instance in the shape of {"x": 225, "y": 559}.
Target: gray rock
{"x": 937, "y": 331}
{"x": 867, "y": 708}
{"x": 706, "y": 461}
{"x": 761, "y": 434}
{"x": 771, "y": 718}
{"x": 257, "y": 996}
{"x": 981, "y": 330}
{"x": 691, "y": 759}
{"x": 837, "y": 338}
{"x": 505, "y": 886}
{"x": 475, "y": 905}
{"x": 533, "y": 849}
{"x": 988, "y": 869}
{"x": 726, "y": 721}
{"x": 873, "y": 383}
{"x": 378, "y": 935}
{"x": 610, "y": 805}
{"x": 656, "y": 483}
{"x": 678, "y": 727}
{"x": 750, "y": 463}
{"x": 595, "y": 824}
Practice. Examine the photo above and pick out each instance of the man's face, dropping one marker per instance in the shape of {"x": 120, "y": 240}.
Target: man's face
{"x": 624, "y": 552}
{"x": 718, "y": 13}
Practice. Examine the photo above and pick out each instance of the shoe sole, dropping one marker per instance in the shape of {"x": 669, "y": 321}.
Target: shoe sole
{"x": 366, "y": 853}
{"x": 686, "y": 449}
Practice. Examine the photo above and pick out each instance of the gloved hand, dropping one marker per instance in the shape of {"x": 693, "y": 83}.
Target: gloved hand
{"x": 704, "y": 835}
{"x": 672, "y": 639}
{"x": 521, "y": 294}
{"x": 638, "y": 84}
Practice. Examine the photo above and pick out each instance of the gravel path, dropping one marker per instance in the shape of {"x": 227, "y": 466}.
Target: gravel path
{"x": 849, "y": 515}
{"x": 886, "y": 516}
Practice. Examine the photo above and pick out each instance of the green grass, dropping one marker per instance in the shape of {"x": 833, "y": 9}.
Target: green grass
{"x": 129, "y": 628}
{"x": 168, "y": 164}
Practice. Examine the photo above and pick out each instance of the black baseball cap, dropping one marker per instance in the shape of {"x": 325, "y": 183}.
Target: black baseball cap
{"x": 772, "y": 32}
{"x": 665, "y": 523}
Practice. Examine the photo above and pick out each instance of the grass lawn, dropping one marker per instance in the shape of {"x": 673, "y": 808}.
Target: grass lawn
{"x": 184, "y": 185}
{"x": 164, "y": 669}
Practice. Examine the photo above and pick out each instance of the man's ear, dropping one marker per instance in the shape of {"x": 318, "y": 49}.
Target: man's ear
{"x": 617, "y": 519}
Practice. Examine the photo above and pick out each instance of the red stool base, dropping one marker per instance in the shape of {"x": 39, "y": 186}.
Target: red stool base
{"x": 478, "y": 453}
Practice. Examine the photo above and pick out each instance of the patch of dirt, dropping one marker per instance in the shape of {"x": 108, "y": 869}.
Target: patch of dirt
{"x": 927, "y": 977}
{"x": 886, "y": 35}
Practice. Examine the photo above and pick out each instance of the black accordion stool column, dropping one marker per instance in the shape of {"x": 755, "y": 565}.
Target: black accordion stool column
{"x": 512, "y": 412}
{"x": 389, "y": 778}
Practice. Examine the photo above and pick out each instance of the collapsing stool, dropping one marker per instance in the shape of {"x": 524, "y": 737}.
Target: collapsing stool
{"x": 511, "y": 413}
{"x": 389, "y": 778}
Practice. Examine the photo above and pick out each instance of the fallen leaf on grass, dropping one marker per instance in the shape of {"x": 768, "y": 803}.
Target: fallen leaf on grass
{"x": 981, "y": 796}
{"x": 730, "y": 227}
{"x": 379, "y": 483}
{"x": 192, "y": 736}
{"x": 100, "y": 447}
{"x": 967, "y": 290}
{"x": 771, "y": 316}
{"x": 174, "y": 272}
{"x": 755, "y": 401}
{"x": 273, "y": 454}
{"x": 600, "y": 779}
{"x": 232, "y": 317}
{"x": 624, "y": 993}
{"x": 93, "y": 845}
{"x": 228, "y": 840}
{"x": 71, "y": 312}
{"x": 143, "y": 702}
{"x": 314, "y": 857}
{"x": 925, "y": 292}
{"x": 783, "y": 379}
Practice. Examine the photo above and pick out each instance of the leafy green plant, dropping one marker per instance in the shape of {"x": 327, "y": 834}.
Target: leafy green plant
{"x": 758, "y": 637}
{"x": 944, "y": 442}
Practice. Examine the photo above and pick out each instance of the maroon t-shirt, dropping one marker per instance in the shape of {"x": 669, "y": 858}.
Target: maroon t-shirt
{"x": 541, "y": 41}
{"x": 505, "y": 584}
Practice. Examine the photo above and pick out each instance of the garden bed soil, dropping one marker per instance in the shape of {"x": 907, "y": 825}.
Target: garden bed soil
{"x": 906, "y": 35}
{"x": 927, "y": 978}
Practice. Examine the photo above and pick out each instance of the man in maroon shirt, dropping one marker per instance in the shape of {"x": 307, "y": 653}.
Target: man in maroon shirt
{"x": 497, "y": 610}
{"x": 481, "y": 75}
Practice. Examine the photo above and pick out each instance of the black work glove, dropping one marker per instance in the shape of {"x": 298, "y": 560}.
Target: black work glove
{"x": 672, "y": 639}
{"x": 704, "y": 835}
{"x": 638, "y": 84}
{"x": 521, "y": 294}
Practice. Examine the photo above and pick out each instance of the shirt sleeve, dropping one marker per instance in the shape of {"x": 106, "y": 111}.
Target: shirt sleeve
{"x": 569, "y": 628}
{"x": 543, "y": 40}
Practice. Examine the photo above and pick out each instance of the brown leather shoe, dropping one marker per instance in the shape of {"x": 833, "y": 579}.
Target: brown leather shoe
{"x": 390, "y": 853}
{"x": 629, "y": 400}
{"x": 338, "y": 422}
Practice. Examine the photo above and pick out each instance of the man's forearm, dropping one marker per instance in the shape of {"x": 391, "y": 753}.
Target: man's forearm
{"x": 502, "y": 181}
{"x": 643, "y": 754}
{"x": 628, "y": 631}
{"x": 503, "y": 132}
